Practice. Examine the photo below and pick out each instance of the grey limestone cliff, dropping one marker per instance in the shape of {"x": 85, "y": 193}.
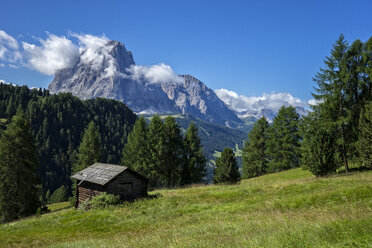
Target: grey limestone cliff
{"x": 107, "y": 77}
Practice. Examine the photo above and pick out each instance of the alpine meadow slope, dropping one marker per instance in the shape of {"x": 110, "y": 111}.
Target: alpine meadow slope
{"x": 288, "y": 209}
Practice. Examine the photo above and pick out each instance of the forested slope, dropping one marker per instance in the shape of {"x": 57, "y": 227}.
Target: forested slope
{"x": 58, "y": 122}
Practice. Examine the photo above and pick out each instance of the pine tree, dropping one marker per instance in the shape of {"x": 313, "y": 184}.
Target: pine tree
{"x": 170, "y": 170}
{"x": 365, "y": 138}
{"x": 156, "y": 153}
{"x": 18, "y": 164}
{"x": 194, "y": 166}
{"x": 89, "y": 151}
{"x": 254, "y": 155}
{"x": 135, "y": 152}
{"x": 226, "y": 170}
{"x": 284, "y": 140}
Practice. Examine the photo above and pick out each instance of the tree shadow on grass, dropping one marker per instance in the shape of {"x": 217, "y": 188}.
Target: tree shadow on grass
{"x": 153, "y": 196}
{"x": 354, "y": 169}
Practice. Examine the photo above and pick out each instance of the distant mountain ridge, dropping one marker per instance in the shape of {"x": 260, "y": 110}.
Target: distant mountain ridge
{"x": 266, "y": 105}
{"x": 108, "y": 76}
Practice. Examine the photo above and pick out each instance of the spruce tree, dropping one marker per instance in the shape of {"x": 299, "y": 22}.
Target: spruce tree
{"x": 170, "y": 169}
{"x": 89, "y": 151}
{"x": 18, "y": 164}
{"x": 254, "y": 155}
{"x": 156, "y": 151}
{"x": 226, "y": 170}
{"x": 365, "y": 138}
{"x": 135, "y": 152}
{"x": 194, "y": 165}
{"x": 284, "y": 140}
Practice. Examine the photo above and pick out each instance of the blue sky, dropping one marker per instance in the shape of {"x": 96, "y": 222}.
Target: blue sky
{"x": 250, "y": 47}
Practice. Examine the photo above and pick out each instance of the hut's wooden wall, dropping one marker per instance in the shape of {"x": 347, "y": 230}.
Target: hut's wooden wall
{"x": 87, "y": 190}
{"x": 118, "y": 186}
{"x": 121, "y": 182}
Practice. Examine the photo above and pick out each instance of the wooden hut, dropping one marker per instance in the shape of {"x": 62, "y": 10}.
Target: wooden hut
{"x": 113, "y": 179}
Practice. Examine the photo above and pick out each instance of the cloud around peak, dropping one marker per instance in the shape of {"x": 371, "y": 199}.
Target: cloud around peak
{"x": 54, "y": 53}
{"x": 273, "y": 101}
{"x": 160, "y": 73}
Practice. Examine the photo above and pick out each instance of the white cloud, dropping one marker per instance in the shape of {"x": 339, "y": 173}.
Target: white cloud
{"x": 4, "y": 82}
{"x": 2, "y": 65}
{"x": 313, "y": 102}
{"x": 273, "y": 101}
{"x": 53, "y": 54}
{"x": 95, "y": 51}
{"x": 13, "y": 66}
{"x": 8, "y": 46}
{"x": 160, "y": 73}
{"x": 58, "y": 52}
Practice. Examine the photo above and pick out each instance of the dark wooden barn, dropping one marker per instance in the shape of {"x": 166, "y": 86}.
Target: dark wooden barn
{"x": 113, "y": 179}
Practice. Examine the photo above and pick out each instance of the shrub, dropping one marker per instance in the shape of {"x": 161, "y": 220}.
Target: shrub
{"x": 59, "y": 195}
{"x": 42, "y": 210}
{"x": 101, "y": 201}
{"x": 319, "y": 152}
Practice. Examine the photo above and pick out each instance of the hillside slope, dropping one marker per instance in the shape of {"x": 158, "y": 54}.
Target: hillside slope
{"x": 287, "y": 209}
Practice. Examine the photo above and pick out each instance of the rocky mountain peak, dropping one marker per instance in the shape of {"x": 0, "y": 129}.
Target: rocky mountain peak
{"x": 123, "y": 58}
{"x": 104, "y": 71}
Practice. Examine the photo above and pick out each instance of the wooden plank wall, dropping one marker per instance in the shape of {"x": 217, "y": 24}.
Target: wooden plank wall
{"x": 88, "y": 190}
{"x": 139, "y": 185}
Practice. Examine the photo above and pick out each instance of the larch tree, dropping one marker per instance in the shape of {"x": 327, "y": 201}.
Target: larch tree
{"x": 331, "y": 93}
{"x": 365, "y": 138}
{"x": 19, "y": 194}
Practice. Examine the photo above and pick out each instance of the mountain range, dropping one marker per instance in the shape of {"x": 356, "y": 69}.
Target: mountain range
{"x": 109, "y": 71}
{"x": 115, "y": 75}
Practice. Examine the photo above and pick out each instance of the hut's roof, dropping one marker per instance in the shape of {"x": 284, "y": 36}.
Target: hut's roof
{"x": 100, "y": 173}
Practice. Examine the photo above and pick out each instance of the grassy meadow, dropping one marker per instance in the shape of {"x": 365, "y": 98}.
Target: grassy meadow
{"x": 287, "y": 209}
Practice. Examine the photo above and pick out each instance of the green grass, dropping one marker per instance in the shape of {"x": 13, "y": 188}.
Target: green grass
{"x": 287, "y": 209}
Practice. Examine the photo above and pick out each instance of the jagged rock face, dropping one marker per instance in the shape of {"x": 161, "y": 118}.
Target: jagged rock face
{"x": 106, "y": 77}
{"x": 194, "y": 97}
{"x": 92, "y": 79}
